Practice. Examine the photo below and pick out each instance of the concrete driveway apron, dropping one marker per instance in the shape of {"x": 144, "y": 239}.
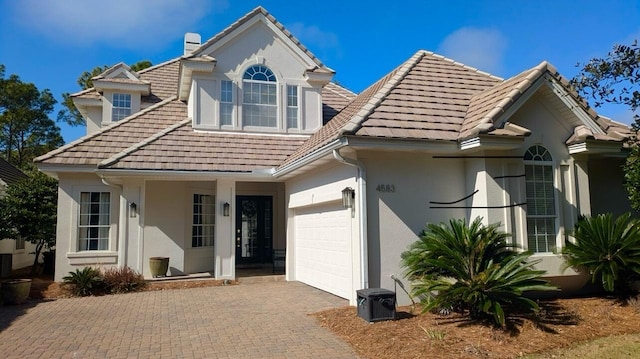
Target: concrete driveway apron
{"x": 261, "y": 320}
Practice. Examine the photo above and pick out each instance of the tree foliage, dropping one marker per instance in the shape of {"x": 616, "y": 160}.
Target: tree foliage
{"x": 26, "y": 131}
{"x": 471, "y": 269}
{"x": 608, "y": 248}
{"x": 70, "y": 114}
{"x": 615, "y": 79}
{"x": 28, "y": 211}
{"x": 612, "y": 79}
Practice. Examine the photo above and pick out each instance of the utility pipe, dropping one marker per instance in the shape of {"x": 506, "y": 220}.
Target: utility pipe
{"x": 362, "y": 204}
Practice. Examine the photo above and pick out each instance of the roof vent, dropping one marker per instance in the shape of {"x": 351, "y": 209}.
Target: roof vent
{"x": 191, "y": 42}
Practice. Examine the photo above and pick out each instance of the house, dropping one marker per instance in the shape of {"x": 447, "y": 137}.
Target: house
{"x": 243, "y": 145}
{"x": 21, "y": 251}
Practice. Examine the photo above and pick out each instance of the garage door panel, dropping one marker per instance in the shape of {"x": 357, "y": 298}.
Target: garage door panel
{"x": 323, "y": 248}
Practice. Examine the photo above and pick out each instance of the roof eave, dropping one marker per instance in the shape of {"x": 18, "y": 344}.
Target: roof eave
{"x": 491, "y": 142}
{"x": 189, "y": 66}
{"x": 143, "y": 87}
{"x": 599, "y": 147}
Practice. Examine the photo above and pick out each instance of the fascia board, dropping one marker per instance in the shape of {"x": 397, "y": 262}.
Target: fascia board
{"x": 317, "y": 154}
{"x": 186, "y": 175}
{"x": 143, "y": 88}
{"x": 491, "y": 143}
{"x": 403, "y": 145}
{"x": 595, "y": 147}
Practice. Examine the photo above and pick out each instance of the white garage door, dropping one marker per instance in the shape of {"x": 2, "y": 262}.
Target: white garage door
{"x": 323, "y": 248}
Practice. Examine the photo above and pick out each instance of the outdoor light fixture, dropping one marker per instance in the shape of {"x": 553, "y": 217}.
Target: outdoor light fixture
{"x": 133, "y": 210}
{"x": 225, "y": 209}
{"x": 348, "y": 197}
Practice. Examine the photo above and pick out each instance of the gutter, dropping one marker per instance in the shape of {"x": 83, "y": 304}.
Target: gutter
{"x": 323, "y": 151}
{"x": 362, "y": 189}
{"x": 122, "y": 221}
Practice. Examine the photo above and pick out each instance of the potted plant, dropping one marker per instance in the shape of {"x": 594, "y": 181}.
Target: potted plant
{"x": 15, "y": 291}
{"x": 158, "y": 266}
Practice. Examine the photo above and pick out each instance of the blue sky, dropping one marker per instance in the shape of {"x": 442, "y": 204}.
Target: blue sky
{"x": 50, "y": 43}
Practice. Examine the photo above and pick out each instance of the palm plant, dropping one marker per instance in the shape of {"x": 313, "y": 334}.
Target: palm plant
{"x": 471, "y": 269}
{"x": 85, "y": 281}
{"x": 608, "y": 248}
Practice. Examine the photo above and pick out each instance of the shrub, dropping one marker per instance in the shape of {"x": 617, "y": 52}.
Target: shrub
{"x": 84, "y": 282}
{"x": 471, "y": 269}
{"x": 608, "y": 248}
{"x": 123, "y": 280}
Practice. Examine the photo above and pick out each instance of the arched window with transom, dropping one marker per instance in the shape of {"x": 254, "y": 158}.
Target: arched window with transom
{"x": 541, "y": 203}
{"x": 260, "y": 103}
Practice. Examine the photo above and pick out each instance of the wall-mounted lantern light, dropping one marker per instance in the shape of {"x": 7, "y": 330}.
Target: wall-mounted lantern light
{"x": 225, "y": 209}
{"x": 348, "y": 197}
{"x": 133, "y": 209}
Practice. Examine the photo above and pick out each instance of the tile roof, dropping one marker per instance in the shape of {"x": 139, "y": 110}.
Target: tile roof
{"x": 8, "y": 173}
{"x": 424, "y": 98}
{"x": 334, "y": 99}
{"x": 94, "y": 148}
{"x": 179, "y": 148}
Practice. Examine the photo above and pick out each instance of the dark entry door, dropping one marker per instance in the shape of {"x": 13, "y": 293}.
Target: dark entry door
{"x": 254, "y": 229}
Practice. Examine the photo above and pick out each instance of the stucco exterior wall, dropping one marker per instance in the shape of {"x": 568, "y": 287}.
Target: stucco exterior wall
{"x": 606, "y": 186}
{"x": 68, "y": 258}
{"x": 20, "y": 257}
{"x": 257, "y": 45}
{"x": 399, "y": 191}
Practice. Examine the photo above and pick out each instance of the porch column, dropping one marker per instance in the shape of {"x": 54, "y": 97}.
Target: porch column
{"x": 582, "y": 187}
{"x": 225, "y": 267}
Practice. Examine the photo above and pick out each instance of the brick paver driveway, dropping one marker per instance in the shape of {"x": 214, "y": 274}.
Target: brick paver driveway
{"x": 262, "y": 320}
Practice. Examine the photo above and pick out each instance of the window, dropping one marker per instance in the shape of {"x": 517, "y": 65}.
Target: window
{"x": 292, "y": 106}
{"x": 94, "y": 223}
{"x": 226, "y": 103}
{"x": 204, "y": 215}
{"x": 19, "y": 243}
{"x": 121, "y": 106}
{"x": 541, "y": 204}
{"x": 259, "y": 107}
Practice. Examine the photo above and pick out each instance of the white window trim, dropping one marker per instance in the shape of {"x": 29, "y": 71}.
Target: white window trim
{"x": 114, "y": 107}
{"x": 234, "y": 104}
{"x": 189, "y": 220}
{"x": 215, "y": 211}
{"x": 108, "y": 256}
{"x": 555, "y": 168}
{"x": 298, "y": 108}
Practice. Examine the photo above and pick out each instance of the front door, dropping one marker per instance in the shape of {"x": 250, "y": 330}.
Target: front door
{"x": 253, "y": 229}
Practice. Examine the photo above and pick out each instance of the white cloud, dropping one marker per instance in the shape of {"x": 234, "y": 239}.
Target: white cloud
{"x": 480, "y": 48}
{"x": 122, "y": 23}
{"x": 315, "y": 38}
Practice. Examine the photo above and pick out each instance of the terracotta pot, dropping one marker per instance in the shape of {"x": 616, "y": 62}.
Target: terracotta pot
{"x": 15, "y": 291}
{"x": 158, "y": 266}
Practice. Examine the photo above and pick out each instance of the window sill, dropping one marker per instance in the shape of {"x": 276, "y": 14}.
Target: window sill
{"x": 92, "y": 257}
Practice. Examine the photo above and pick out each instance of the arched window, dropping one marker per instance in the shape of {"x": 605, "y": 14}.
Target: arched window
{"x": 260, "y": 103}
{"x": 541, "y": 204}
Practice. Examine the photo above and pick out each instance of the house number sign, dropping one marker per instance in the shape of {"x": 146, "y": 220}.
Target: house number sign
{"x": 386, "y": 188}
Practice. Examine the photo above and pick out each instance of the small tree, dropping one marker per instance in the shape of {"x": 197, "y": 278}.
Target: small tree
{"x": 608, "y": 248}
{"x": 28, "y": 211}
{"x": 471, "y": 269}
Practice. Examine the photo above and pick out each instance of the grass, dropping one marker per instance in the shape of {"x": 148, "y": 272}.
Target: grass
{"x": 614, "y": 347}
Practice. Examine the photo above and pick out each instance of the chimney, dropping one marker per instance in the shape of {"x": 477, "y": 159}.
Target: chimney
{"x": 191, "y": 42}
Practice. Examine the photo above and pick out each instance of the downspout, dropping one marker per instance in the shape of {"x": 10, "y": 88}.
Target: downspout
{"x": 122, "y": 221}
{"x": 362, "y": 204}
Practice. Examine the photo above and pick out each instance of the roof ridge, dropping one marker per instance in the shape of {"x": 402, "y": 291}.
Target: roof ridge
{"x": 259, "y": 10}
{"x": 375, "y": 99}
{"x": 127, "y": 151}
{"x": 468, "y": 67}
{"x": 158, "y": 65}
{"x": 103, "y": 130}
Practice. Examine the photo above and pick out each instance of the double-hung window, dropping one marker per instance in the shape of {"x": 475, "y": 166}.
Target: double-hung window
{"x": 541, "y": 203}
{"x": 121, "y": 106}
{"x": 204, "y": 216}
{"x": 226, "y": 103}
{"x": 292, "y": 106}
{"x": 259, "y": 97}
{"x": 94, "y": 221}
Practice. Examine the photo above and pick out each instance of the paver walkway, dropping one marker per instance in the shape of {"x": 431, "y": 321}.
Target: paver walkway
{"x": 262, "y": 320}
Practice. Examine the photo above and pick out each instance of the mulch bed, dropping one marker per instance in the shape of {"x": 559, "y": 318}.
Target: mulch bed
{"x": 561, "y": 323}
